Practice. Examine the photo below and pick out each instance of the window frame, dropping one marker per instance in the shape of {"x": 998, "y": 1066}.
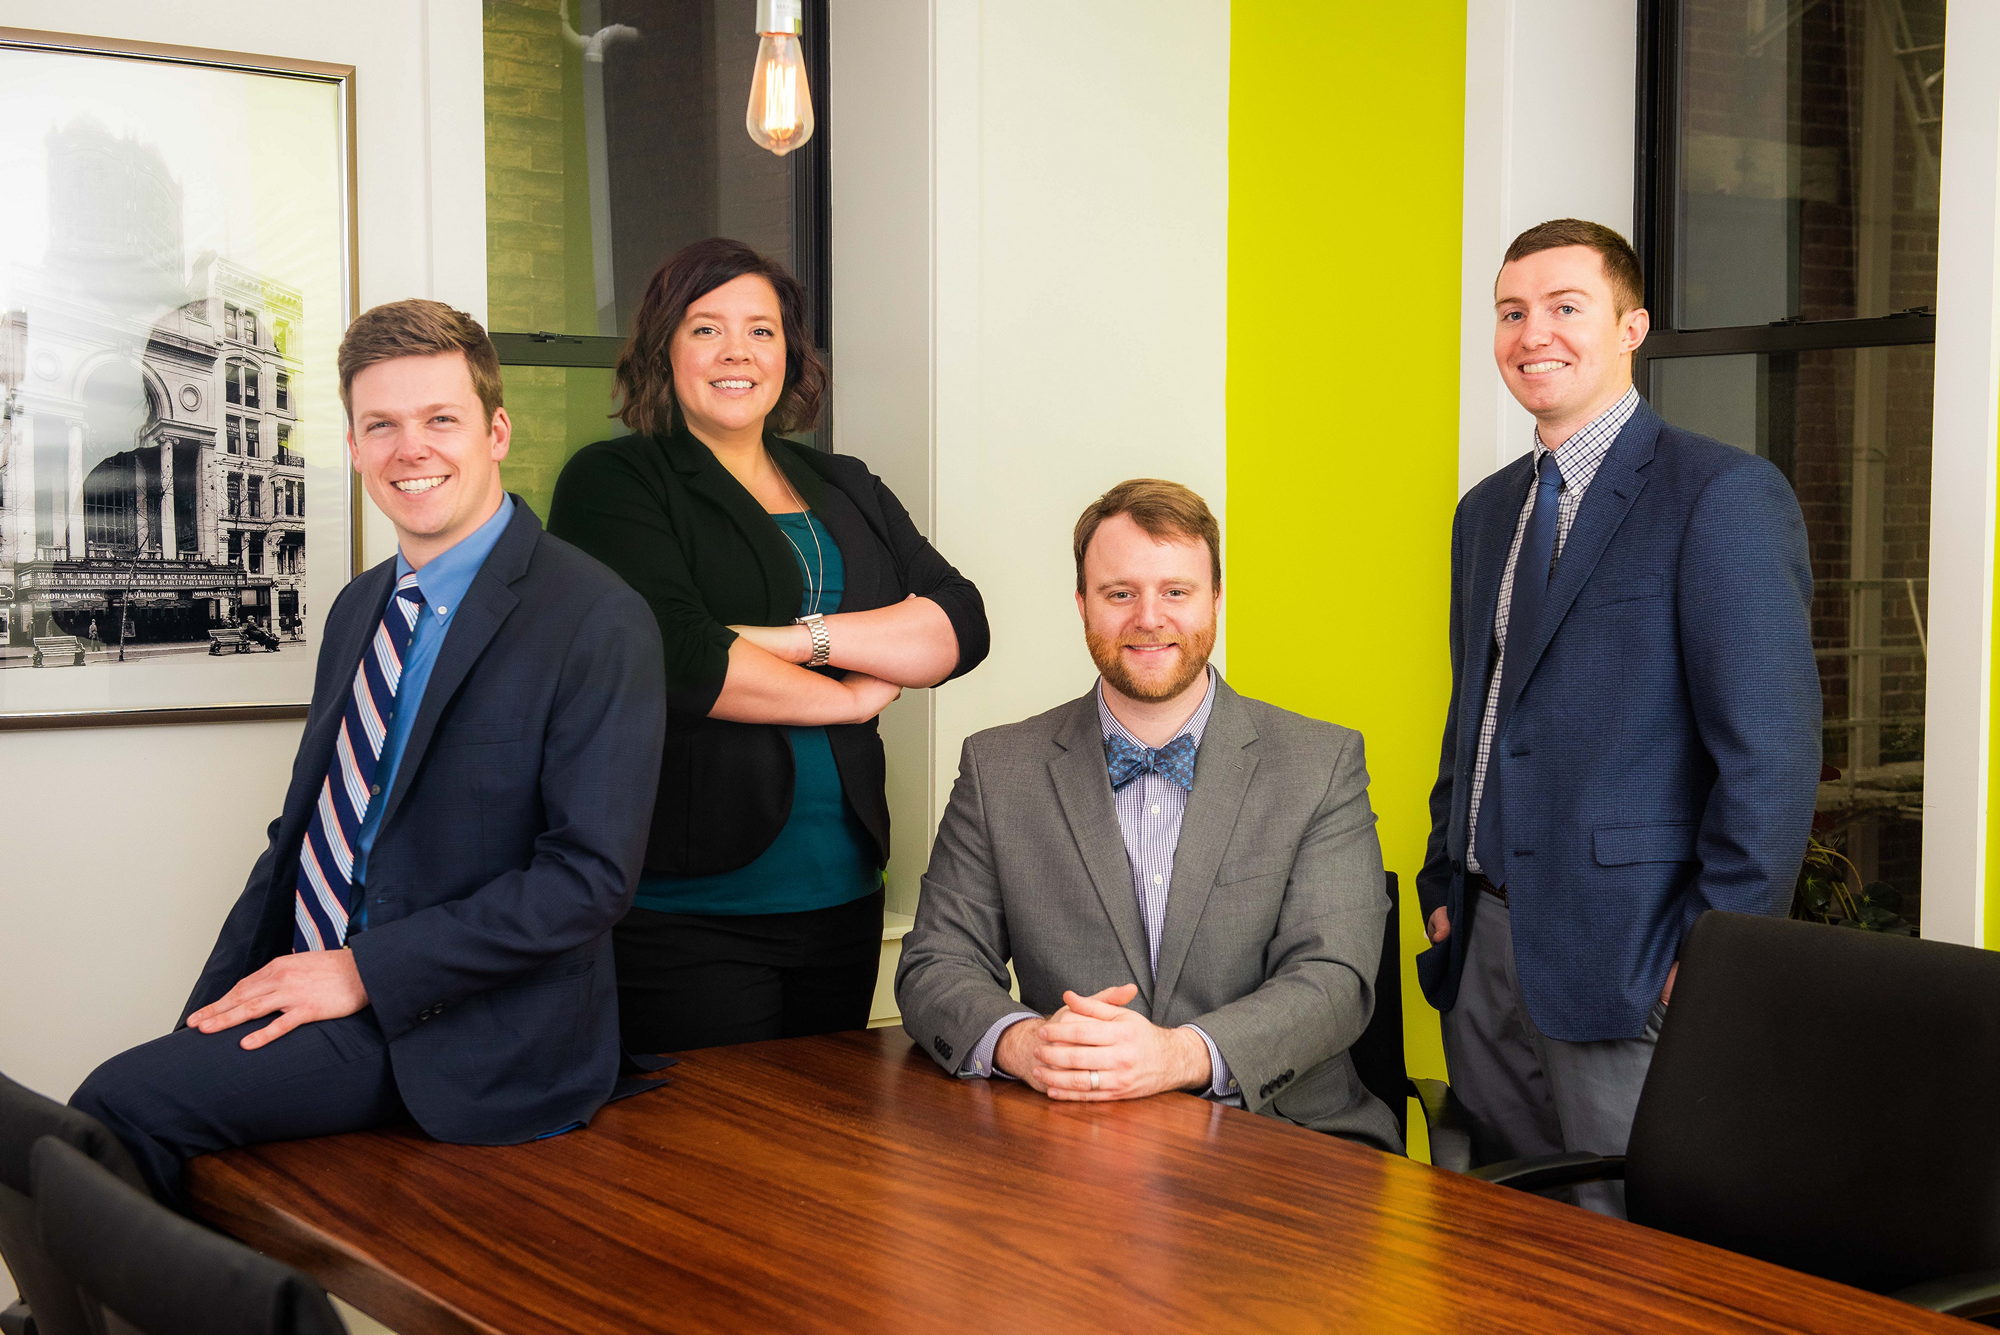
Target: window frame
{"x": 812, "y": 208}
{"x": 1656, "y": 184}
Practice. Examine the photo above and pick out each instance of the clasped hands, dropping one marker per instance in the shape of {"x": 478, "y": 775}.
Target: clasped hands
{"x": 1130, "y": 1056}
{"x": 304, "y": 987}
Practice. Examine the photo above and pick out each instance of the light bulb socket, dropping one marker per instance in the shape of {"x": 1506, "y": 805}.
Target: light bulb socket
{"x": 781, "y": 16}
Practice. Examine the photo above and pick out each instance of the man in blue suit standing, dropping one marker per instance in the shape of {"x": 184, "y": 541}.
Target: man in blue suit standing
{"x": 426, "y": 934}
{"x": 1633, "y": 734}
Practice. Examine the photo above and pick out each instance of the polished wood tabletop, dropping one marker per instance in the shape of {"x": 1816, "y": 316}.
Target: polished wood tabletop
{"x": 846, "y": 1184}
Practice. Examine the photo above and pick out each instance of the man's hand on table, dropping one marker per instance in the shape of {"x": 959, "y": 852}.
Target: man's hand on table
{"x": 308, "y": 986}
{"x": 1130, "y": 1056}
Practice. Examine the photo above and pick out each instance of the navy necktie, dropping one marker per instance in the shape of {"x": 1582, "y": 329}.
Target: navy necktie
{"x": 1125, "y": 761}
{"x": 1524, "y": 614}
{"x": 324, "y": 893}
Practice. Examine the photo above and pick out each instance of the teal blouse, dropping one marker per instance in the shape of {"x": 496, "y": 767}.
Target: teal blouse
{"x": 819, "y": 859}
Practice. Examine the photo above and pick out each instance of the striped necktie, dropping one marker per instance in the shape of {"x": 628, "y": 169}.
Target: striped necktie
{"x": 324, "y": 894}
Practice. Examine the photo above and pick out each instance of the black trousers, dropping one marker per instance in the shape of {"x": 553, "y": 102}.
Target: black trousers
{"x": 190, "y": 1093}
{"x": 689, "y": 980}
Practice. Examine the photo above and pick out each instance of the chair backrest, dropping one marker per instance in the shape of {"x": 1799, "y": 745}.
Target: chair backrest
{"x": 1827, "y": 1099}
{"x": 1378, "y": 1053}
{"x": 165, "y": 1274}
{"x": 26, "y": 1117}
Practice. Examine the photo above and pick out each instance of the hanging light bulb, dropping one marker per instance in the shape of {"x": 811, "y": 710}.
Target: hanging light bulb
{"x": 780, "y": 115}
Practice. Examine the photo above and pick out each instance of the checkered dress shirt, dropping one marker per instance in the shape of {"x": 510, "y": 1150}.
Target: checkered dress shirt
{"x": 1577, "y": 459}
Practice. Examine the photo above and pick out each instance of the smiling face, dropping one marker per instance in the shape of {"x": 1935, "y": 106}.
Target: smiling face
{"x": 1148, "y": 608}
{"x": 728, "y": 357}
{"x": 425, "y": 451}
{"x": 1562, "y": 346}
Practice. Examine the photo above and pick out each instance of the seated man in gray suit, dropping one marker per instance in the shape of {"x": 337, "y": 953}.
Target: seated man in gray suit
{"x": 1187, "y": 881}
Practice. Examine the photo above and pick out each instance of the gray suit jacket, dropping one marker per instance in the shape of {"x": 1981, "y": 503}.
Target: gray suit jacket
{"x": 1274, "y": 918}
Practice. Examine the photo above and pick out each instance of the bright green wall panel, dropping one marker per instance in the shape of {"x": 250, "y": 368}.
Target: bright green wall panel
{"x": 1345, "y": 188}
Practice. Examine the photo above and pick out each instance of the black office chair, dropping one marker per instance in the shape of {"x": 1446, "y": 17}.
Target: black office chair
{"x": 50, "y": 1303}
{"x": 1826, "y": 1099}
{"x": 1378, "y": 1056}
{"x": 165, "y": 1274}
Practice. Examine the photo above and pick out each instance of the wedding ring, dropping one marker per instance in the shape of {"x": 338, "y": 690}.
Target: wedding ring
{"x": 1093, "y": 1082}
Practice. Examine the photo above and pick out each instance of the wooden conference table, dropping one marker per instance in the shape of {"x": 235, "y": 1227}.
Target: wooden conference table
{"x": 846, "y": 1184}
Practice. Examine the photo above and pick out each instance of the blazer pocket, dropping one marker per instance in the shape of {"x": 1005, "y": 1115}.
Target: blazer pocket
{"x": 1630, "y": 589}
{"x": 479, "y": 732}
{"x": 1622, "y": 845}
{"x": 1252, "y": 869}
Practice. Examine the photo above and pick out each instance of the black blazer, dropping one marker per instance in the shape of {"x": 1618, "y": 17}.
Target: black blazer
{"x": 507, "y": 851}
{"x": 664, "y": 513}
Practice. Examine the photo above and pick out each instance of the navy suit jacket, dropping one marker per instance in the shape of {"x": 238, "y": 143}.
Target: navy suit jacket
{"x": 510, "y": 844}
{"x": 1662, "y": 750}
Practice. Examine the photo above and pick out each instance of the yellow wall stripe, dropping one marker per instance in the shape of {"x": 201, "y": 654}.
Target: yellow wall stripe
{"x": 1346, "y": 175}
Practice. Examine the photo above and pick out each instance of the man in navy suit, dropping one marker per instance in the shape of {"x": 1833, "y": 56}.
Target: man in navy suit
{"x": 426, "y": 933}
{"x": 1633, "y": 734}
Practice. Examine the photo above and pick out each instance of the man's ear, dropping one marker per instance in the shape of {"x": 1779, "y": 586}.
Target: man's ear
{"x": 1636, "y": 325}
{"x": 502, "y": 430}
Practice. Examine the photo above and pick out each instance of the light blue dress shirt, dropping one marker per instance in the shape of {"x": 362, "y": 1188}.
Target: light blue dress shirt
{"x": 444, "y": 582}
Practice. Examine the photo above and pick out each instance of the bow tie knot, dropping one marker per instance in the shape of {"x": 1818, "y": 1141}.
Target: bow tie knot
{"x": 1126, "y": 760}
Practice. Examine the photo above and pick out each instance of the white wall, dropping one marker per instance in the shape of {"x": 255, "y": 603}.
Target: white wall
{"x": 1965, "y": 421}
{"x": 1549, "y": 131}
{"x": 1030, "y": 258}
{"x": 126, "y": 844}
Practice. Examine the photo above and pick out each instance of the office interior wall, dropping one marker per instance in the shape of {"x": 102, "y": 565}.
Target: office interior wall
{"x": 1961, "y": 734}
{"x": 1343, "y": 390}
{"x": 1550, "y": 89}
{"x": 1029, "y": 235}
{"x": 125, "y": 845}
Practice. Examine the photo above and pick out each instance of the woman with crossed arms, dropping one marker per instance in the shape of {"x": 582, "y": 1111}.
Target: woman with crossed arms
{"x": 796, "y": 600}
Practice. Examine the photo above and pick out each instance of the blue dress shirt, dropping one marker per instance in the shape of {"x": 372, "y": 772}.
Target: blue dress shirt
{"x": 444, "y": 582}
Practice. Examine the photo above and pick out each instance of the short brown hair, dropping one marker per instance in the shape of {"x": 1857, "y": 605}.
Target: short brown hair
{"x": 419, "y": 328}
{"x": 1621, "y": 265}
{"x": 1165, "y": 510}
{"x": 645, "y": 375}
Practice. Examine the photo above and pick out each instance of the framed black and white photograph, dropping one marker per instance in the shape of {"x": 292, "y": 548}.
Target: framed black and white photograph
{"x": 176, "y": 271}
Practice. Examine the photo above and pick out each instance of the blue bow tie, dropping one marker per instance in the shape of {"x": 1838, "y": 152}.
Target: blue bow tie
{"x": 1126, "y": 761}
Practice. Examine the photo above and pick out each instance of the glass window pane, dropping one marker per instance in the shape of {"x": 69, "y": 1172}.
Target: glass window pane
{"x": 1851, "y": 428}
{"x": 555, "y": 411}
{"x": 612, "y": 144}
{"x": 1807, "y": 166}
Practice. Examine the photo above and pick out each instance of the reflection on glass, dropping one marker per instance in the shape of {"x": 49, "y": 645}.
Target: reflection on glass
{"x": 612, "y": 144}
{"x": 1852, "y": 430}
{"x": 1807, "y": 172}
{"x": 556, "y": 411}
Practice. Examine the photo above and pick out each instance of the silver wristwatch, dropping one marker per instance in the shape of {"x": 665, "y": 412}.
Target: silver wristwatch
{"x": 822, "y": 643}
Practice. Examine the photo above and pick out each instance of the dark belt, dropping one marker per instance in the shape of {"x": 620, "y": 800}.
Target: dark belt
{"x": 1480, "y": 882}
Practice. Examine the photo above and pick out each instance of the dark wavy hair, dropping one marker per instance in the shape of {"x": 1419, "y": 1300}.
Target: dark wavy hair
{"x": 645, "y": 375}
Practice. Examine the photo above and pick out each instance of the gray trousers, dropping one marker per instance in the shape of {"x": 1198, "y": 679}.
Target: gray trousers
{"x": 1528, "y": 1094}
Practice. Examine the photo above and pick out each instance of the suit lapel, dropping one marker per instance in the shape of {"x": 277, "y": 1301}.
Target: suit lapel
{"x": 1610, "y": 498}
{"x": 777, "y": 568}
{"x": 1221, "y": 781}
{"x": 480, "y": 614}
{"x": 1077, "y": 771}
{"x": 1486, "y": 563}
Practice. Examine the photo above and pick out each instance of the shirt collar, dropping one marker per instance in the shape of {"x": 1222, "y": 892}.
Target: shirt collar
{"x": 446, "y": 576}
{"x": 1578, "y": 457}
{"x": 1109, "y": 726}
